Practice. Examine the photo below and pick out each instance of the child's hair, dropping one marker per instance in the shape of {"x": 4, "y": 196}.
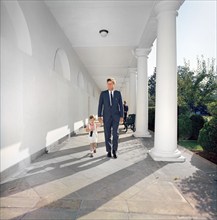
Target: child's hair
{"x": 92, "y": 117}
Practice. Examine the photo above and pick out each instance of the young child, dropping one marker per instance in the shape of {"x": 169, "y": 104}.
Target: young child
{"x": 92, "y": 129}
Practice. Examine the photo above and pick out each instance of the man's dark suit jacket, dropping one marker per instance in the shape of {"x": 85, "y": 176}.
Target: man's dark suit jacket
{"x": 110, "y": 112}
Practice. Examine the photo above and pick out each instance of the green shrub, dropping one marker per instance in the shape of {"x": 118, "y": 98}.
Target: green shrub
{"x": 151, "y": 118}
{"x": 208, "y": 136}
{"x": 212, "y": 108}
{"x": 197, "y": 123}
{"x": 184, "y": 127}
{"x": 182, "y": 110}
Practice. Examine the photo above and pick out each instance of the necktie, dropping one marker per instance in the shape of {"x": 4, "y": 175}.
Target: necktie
{"x": 111, "y": 98}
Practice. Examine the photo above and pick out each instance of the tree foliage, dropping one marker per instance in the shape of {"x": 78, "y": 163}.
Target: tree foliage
{"x": 152, "y": 83}
{"x": 151, "y": 88}
{"x": 197, "y": 88}
{"x": 212, "y": 108}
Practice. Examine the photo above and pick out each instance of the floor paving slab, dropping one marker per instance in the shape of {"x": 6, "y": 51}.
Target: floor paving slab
{"x": 67, "y": 184}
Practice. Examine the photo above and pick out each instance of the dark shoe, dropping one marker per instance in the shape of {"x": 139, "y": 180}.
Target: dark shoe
{"x": 91, "y": 155}
{"x": 109, "y": 154}
{"x": 114, "y": 154}
{"x": 94, "y": 151}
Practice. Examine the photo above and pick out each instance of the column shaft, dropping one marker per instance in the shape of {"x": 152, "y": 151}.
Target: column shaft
{"x": 142, "y": 94}
{"x": 132, "y": 101}
{"x": 165, "y": 146}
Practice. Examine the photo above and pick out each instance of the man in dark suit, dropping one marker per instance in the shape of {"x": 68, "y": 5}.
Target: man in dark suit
{"x": 125, "y": 110}
{"x": 110, "y": 110}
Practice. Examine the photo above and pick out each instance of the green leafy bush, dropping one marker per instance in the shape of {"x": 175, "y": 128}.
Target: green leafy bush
{"x": 184, "y": 127}
{"x": 183, "y": 110}
{"x": 151, "y": 118}
{"x": 212, "y": 108}
{"x": 208, "y": 136}
{"x": 197, "y": 123}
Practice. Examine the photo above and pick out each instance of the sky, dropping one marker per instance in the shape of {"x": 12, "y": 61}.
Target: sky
{"x": 196, "y": 33}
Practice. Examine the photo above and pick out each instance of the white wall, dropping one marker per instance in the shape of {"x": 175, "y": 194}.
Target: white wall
{"x": 41, "y": 99}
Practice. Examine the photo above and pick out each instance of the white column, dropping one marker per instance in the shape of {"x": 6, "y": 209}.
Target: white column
{"x": 142, "y": 94}
{"x": 123, "y": 93}
{"x": 132, "y": 95}
{"x": 127, "y": 90}
{"x": 165, "y": 146}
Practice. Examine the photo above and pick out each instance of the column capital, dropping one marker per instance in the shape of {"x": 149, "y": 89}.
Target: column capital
{"x": 168, "y": 6}
{"x": 142, "y": 52}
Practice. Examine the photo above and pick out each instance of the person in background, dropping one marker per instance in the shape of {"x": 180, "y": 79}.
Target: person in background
{"x": 125, "y": 110}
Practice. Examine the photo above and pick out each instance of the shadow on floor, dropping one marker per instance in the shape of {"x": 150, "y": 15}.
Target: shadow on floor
{"x": 72, "y": 150}
{"x": 201, "y": 186}
{"x": 39, "y": 176}
{"x": 197, "y": 187}
{"x": 94, "y": 195}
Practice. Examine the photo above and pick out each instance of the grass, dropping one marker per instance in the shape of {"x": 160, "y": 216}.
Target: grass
{"x": 191, "y": 145}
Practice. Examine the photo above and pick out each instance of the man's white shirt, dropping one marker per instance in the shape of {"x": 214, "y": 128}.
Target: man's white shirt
{"x": 110, "y": 96}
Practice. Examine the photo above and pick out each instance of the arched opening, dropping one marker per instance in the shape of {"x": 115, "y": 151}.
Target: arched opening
{"x": 80, "y": 80}
{"x": 90, "y": 89}
{"x": 61, "y": 63}
{"x": 20, "y": 26}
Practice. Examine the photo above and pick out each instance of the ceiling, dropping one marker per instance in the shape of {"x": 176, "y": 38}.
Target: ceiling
{"x": 130, "y": 23}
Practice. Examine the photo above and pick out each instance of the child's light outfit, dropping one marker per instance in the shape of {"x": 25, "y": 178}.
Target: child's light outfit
{"x": 93, "y": 135}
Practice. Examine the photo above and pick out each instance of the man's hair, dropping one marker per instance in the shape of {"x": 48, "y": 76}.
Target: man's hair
{"x": 111, "y": 80}
{"x": 92, "y": 117}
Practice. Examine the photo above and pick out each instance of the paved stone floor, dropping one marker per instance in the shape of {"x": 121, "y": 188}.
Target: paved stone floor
{"x": 67, "y": 184}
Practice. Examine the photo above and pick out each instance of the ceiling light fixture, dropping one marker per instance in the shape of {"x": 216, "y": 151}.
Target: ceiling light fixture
{"x": 103, "y": 32}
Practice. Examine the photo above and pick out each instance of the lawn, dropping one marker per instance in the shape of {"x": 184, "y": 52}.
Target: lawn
{"x": 197, "y": 149}
{"x": 191, "y": 145}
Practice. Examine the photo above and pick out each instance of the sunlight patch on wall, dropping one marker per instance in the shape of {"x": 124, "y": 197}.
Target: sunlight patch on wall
{"x": 16, "y": 155}
{"x": 78, "y": 125}
{"x": 56, "y": 134}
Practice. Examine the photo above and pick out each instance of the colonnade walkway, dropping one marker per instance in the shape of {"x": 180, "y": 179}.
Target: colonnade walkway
{"x": 67, "y": 184}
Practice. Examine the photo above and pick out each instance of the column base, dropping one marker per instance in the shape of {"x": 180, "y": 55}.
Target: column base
{"x": 168, "y": 156}
{"x": 142, "y": 134}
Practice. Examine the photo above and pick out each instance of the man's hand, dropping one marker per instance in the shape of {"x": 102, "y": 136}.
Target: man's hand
{"x": 121, "y": 120}
{"x": 100, "y": 120}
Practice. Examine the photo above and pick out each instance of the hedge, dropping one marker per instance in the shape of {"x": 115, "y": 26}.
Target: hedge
{"x": 197, "y": 123}
{"x": 151, "y": 118}
{"x": 184, "y": 127}
{"x": 208, "y": 135}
